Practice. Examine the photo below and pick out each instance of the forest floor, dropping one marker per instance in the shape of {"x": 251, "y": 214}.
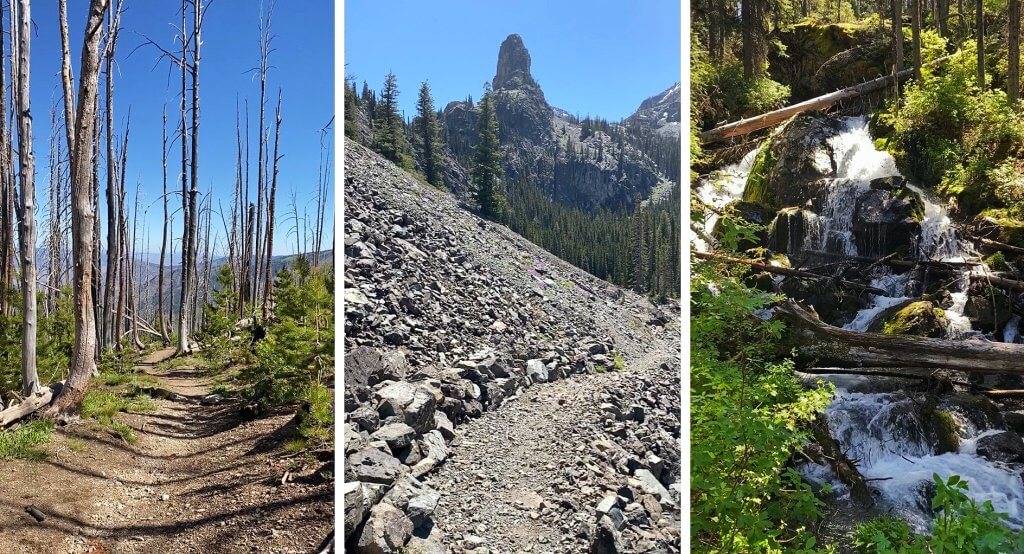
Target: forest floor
{"x": 199, "y": 478}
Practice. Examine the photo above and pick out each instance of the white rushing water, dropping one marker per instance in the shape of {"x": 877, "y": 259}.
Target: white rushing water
{"x": 882, "y": 430}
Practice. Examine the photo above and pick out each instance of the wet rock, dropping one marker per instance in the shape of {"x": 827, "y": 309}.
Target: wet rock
{"x": 987, "y": 307}
{"x": 788, "y": 231}
{"x": 1005, "y": 446}
{"x": 920, "y": 318}
{"x": 887, "y": 217}
{"x": 789, "y": 168}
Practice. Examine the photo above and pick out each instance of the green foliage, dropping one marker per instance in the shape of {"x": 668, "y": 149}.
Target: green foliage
{"x": 487, "y": 170}
{"x": 103, "y": 404}
{"x": 719, "y": 92}
{"x": 882, "y": 534}
{"x": 750, "y": 412}
{"x": 639, "y": 250}
{"x": 389, "y": 129}
{"x": 55, "y": 339}
{"x": 298, "y": 350}
{"x": 961, "y": 525}
{"x": 428, "y": 135}
{"x": 964, "y": 141}
{"x": 316, "y": 419}
{"x": 24, "y": 442}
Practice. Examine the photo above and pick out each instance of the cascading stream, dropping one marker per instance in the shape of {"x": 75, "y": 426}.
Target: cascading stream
{"x": 885, "y": 431}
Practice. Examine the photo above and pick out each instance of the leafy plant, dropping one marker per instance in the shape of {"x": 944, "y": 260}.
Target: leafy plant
{"x": 24, "y": 442}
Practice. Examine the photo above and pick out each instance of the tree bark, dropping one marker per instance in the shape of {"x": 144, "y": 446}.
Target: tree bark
{"x": 979, "y": 30}
{"x": 161, "y": 318}
{"x": 192, "y": 217}
{"x": 915, "y": 17}
{"x": 824, "y": 343}
{"x": 27, "y": 175}
{"x": 1013, "y": 52}
{"x": 268, "y": 273}
{"x": 897, "y": 42}
{"x": 83, "y": 357}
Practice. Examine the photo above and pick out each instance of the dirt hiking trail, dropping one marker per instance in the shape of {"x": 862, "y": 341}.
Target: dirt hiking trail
{"x": 199, "y": 478}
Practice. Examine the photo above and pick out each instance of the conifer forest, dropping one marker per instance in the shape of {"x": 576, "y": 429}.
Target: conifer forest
{"x": 166, "y": 277}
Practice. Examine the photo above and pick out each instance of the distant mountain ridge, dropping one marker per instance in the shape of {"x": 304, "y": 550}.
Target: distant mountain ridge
{"x": 590, "y": 164}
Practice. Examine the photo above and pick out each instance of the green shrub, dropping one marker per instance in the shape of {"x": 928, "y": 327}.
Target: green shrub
{"x": 719, "y": 92}
{"x": 102, "y": 405}
{"x": 316, "y": 419}
{"x": 883, "y": 534}
{"x": 24, "y": 442}
{"x": 951, "y": 135}
{"x": 750, "y": 412}
{"x": 299, "y": 345}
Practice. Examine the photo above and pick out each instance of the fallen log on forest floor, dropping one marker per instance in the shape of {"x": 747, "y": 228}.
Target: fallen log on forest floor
{"x": 26, "y": 407}
{"x": 775, "y": 117}
{"x": 788, "y": 272}
{"x": 824, "y": 343}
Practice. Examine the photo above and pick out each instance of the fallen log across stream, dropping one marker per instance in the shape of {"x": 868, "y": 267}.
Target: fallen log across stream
{"x": 827, "y": 344}
{"x": 788, "y": 272}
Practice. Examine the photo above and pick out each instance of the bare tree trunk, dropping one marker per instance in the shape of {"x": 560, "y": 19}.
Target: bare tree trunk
{"x": 191, "y": 229}
{"x": 109, "y": 326}
{"x": 123, "y": 246}
{"x": 161, "y": 319}
{"x": 980, "y": 39}
{"x": 53, "y": 273}
{"x": 26, "y": 174}
{"x": 66, "y": 75}
{"x": 97, "y": 265}
{"x": 83, "y": 358}
{"x": 7, "y": 239}
{"x": 268, "y": 277}
{"x": 915, "y": 29}
{"x": 265, "y": 40}
{"x": 1013, "y": 52}
{"x": 897, "y": 41}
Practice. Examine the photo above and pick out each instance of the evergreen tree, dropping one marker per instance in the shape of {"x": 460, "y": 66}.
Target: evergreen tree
{"x": 486, "y": 171}
{"x": 389, "y": 129}
{"x": 351, "y": 109}
{"x": 429, "y": 136}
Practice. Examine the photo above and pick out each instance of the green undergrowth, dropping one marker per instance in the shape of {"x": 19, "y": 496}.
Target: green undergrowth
{"x": 118, "y": 390}
{"x": 26, "y": 442}
{"x": 960, "y": 525}
{"x": 316, "y": 420}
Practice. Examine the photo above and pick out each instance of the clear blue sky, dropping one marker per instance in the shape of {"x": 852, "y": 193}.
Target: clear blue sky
{"x": 302, "y": 66}
{"x": 598, "y": 57}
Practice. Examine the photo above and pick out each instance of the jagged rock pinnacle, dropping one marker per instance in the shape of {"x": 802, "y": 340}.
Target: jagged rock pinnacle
{"x": 513, "y": 65}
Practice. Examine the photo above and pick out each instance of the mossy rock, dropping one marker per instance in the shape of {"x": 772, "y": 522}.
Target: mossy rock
{"x": 998, "y": 224}
{"x": 947, "y": 432}
{"x": 921, "y": 318}
{"x": 997, "y": 262}
{"x": 801, "y": 51}
{"x": 794, "y": 163}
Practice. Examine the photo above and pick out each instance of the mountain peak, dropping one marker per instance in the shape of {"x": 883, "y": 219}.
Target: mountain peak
{"x": 513, "y": 64}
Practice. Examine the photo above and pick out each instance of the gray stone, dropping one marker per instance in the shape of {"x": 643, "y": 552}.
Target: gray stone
{"x": 356, "y": 506}
{"x": 386, "y": 531}
{"x": 366, "y": 418}
{"x": 650, "y": 483}
{"x": 444, "y": 425}
{"x": 396, "y": 435}
{"x": 537, "y": 371}
{"x": 419, "y": 413}
{"x": 373, "y": 466}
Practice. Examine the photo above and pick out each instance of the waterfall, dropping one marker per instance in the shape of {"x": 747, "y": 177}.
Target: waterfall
{"x": 884, "y": 431}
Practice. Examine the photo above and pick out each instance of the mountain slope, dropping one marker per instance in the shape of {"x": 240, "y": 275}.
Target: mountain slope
{"x": 448, "y": 317}
{"x": 587, "y": 164}
{"x": 660, "y": 113}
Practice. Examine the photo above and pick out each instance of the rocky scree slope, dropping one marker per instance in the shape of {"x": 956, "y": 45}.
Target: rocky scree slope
{"x": 448, "y": 316}
{"x": 544, "y": 146}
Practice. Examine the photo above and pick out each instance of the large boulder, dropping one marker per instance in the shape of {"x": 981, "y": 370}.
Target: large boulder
{"x": 788, "y": 232}
{"x": 987, "y": 307}
{"x": 795, "y": 164}
{"x": 368, "y": 366}
{"x": 887, "y": 217}
{"x": 371, "y": 465}
{"x": 1004, "y": 446}
{"x": 396, "y": 435}
{"x": 921, "y": 318}
{"x": 386, "y": 531}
